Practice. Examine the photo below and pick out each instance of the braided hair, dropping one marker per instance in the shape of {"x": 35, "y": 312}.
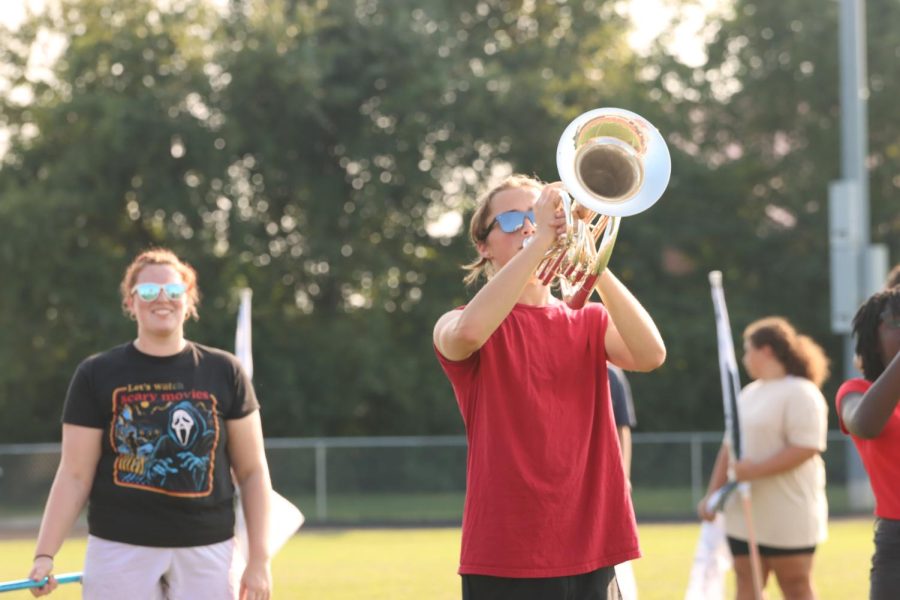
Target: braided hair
{"x": 865, "y": 328}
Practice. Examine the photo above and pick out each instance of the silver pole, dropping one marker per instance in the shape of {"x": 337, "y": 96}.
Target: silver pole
{"x": 854, "y": 98}
{"x": 854, "y": 150}
{"x": 696, "y": 468}
{"x": 321, "y": 482}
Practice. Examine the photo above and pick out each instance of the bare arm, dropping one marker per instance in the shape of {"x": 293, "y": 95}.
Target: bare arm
{"x": 632, "y": 340}
{"x": 248, "y": 461}
{"x": 786, "y": 459}
{"x": 866, "y": 415}
{"x": 460, "y": 333}
{"x": 68, "y": 495}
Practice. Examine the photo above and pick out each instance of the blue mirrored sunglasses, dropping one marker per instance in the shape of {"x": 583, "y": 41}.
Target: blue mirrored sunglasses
{"x": 511, "y": 221}
{"x": 148, "y": 292}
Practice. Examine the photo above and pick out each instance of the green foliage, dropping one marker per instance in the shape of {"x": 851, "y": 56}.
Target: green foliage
{"x": 308, "y": 149}
{"x": 300, "y": 149}
{"x": 757, "y": 136}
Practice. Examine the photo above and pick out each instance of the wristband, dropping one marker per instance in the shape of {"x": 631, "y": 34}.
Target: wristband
{"x": 37, "y": 556}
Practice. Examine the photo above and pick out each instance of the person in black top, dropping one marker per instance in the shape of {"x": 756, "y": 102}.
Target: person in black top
{"x": 155, "y": 433}
{"x": 623, "y": 412}
{"x": 624, "y": 416}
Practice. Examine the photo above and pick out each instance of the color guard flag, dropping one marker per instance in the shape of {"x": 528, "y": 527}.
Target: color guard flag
{"x": 243, "y": 336}
{"x": 712, "y": 560}
{"x": 731, "y": 387}
{"x": 284, "y": 518}
{"x": 728, "y": 369}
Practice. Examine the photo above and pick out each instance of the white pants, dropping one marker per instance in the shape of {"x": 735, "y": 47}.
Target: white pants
{"x": 113, "y": 571}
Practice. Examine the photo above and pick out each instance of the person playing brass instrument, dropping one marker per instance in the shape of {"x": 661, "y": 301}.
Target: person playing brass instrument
{"x": 547, "y": 507}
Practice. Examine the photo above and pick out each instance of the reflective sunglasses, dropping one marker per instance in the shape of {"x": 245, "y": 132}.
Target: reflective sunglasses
{"x": 511, "y": 221}
{"x": 148, "y": 292}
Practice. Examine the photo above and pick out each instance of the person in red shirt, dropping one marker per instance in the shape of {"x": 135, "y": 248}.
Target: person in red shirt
{"x": 867, "y": 411}
{"x": 547, "y": 512}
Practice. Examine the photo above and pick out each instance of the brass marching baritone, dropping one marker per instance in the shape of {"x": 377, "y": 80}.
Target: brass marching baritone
{"x": 614, "y": 163}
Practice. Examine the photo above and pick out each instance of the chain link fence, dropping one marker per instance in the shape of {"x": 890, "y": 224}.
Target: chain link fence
{"x": 409, "y": 481}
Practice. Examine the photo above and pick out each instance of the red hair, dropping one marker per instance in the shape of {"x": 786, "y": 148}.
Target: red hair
{"x": 161, "y": 256}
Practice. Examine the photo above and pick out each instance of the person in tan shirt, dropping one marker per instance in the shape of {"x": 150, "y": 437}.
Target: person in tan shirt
{"x": 783, "y": 426}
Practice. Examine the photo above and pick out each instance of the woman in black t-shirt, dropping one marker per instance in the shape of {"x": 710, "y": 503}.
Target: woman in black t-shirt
{"x": 152, "y": 432}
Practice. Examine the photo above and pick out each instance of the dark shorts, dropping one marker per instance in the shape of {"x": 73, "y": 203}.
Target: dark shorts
{"x": 885, "y": 574}
{"x": 742, "y": 548}
{"x": 596, "y": 585}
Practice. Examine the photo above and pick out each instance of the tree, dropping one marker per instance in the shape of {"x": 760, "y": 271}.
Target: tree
{"x": 304, "y": 150}
{"x": 759, "y": 128}
{"x": 94, "y": 172}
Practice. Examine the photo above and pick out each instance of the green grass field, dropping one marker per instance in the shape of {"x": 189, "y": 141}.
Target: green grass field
{"x": 420, "y": 564}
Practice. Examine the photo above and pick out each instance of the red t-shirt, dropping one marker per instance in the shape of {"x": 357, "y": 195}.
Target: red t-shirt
{"x": 545, "y": 488}
{"x": 879, "y": 455}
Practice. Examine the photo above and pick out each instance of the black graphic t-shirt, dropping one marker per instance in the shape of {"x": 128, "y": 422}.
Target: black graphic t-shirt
{"x": 164, "y": 478}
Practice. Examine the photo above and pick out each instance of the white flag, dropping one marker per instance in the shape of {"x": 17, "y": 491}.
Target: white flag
{"x": 731, "y": 388}
{"x": 284, "y": 518}
{"x": 243, "y": 337}
{"x": 712, "y": 560}
{"x": 284, "y": 521}
{"x": 728, "y": 368}
{"x": 627, "y": 583}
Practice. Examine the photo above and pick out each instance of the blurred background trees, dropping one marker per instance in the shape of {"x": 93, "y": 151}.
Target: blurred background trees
{"x": 326, "y": 155}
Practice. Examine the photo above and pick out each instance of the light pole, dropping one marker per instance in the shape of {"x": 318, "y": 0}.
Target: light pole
{"x": 858, "y": 268}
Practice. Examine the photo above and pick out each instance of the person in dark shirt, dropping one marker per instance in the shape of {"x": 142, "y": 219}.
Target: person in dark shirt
{"x": 624, "y": 416}
{"x": 155, "y": 433}
{"x": 623, "y": 412}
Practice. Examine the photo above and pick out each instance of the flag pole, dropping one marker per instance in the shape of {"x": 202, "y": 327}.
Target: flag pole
{"x": 731, "y": 387}
{"x": 26, "y": 584}
{"x": 243, "y": 335}
{"x": 284, "y": 518}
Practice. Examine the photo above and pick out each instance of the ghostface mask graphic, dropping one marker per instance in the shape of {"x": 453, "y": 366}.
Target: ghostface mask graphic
{"x": 182, "y": 426}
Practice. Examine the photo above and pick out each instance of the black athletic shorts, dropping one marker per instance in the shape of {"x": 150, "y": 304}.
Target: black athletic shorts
{"x": 885, "y": 574}
{"x": 742, "y": 548}
{"x": 596, "y": 585}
